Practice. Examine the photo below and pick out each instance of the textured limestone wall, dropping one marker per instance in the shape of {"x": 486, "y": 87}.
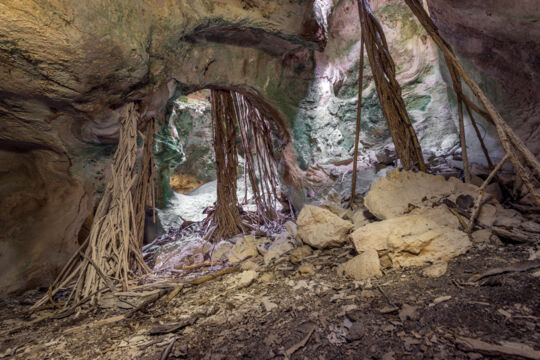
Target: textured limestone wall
{"x": 325, "y": 124}
{"x": 499, "y": 42}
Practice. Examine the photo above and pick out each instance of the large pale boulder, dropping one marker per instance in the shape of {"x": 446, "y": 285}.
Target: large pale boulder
{"x": 411, "y": 240}
{"x": 321, "y": 228}
{"x": 441, "y": 215}
{"x": 391, "y": 196}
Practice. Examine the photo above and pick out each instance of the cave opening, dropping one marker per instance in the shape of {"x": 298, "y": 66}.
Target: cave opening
{"x": 188, "y": 175}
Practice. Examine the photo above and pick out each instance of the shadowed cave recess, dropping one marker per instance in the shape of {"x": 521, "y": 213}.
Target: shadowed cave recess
{"x": 289, "y": 179}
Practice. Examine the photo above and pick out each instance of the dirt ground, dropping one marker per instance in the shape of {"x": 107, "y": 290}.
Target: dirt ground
{"x": 402, "y": 315}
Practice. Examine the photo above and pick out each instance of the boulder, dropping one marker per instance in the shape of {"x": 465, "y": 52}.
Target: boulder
{"x": 322, "y": 229}
{"x": 393, "y": 195}
{"x": 362, "y": 267}
{"x": 298, "y": 254}
{"x": 390, "y": 196}
{"x": 411, "y": 240}
{"x": 244, "y": 248}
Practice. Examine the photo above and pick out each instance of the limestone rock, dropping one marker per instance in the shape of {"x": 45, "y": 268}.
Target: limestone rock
{"x": 249, "y": 265}
{"x": 411, "y": 240}
{"x": 408, "y": 312}
{"x": 306, "y": 269}
{"x": 363, "y": 266}
{"x": 436, "y": 270}
{"x": 222, "y": 251}
{"x": 266, "y": 277}
{"x": 487, "y": 215}
{"x": 507, "y": 218}
{"x": 246, "y": 278}
{"x": 359, "y": 219}
{"x": 280, "y": 246}
{"x": 390, "y": 196}
{"x": 322, "y": 229}
{"x": 181, "y": 253}
{"x": 531, "y": 226}
{"x": 291, "y": 228}
{"x": 335, "y": 208}
{"x": 482, "y": 236}
{"x": 268, "y": 305}
{"x": 245, "y": 247}
{"x": 440, "y": 215}
{"x": 298, "y": 254}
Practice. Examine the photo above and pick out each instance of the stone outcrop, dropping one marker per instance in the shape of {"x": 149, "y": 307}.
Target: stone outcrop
{"x": 411, "y": 240}
{"x": 399, "y": 190}
{"x": 321, "y": 229}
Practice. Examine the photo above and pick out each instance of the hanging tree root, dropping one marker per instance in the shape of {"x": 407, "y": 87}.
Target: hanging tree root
{"x": 389, "y": 91}
{"x": 225, "y": 221}
{"x": 261, "y": 166}
{"x": 358, "y": 115}
{"x": 233, "y": 115}
{"x": 145, "y": 192}
{"x": 523, "y": 161}
{"x": 111, "y": 254}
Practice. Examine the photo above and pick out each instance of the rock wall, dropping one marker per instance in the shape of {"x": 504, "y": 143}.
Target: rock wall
{"x": 325, "y": 124}
{"x": 499, "y": 42}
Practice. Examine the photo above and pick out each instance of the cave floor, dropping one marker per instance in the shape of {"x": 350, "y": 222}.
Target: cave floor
{"x": 402, "y": 315}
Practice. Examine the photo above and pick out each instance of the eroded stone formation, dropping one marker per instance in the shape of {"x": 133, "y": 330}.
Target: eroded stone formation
{"x": 67, "y": 68}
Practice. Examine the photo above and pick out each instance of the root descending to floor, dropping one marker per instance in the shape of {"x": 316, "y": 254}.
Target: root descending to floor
{"x": 111, "y": 255}
{"x": 235, "y": 117}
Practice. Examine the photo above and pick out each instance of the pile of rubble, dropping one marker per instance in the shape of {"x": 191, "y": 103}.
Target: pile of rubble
{"x": 407, "y": 220}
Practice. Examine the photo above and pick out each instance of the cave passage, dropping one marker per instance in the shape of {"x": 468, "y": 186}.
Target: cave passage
{"x": 153, "y": 205}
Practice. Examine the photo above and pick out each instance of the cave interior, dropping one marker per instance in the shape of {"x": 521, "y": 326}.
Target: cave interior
{"x": 289, "y": 179}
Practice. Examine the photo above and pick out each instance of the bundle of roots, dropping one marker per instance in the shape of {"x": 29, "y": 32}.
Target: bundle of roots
{"x": 111, "y": 255}
{"x": 234, "y": 118}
